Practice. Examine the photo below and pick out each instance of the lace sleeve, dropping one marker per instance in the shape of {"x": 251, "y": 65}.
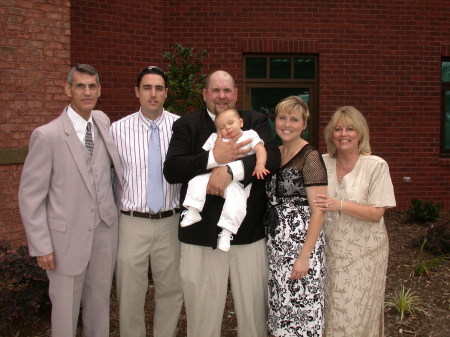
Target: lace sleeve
{"x": 314, "y": 171}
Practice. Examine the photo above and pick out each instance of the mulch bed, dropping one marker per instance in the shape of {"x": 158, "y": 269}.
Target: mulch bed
{"x": 432, "y": 289}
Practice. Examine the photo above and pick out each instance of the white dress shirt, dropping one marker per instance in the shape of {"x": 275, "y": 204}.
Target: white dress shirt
{"x": 132, "y": 134}
{"x": 79, "y": 124}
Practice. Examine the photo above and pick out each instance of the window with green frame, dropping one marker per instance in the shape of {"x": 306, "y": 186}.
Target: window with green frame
{"x": 445, "y": 119}
{"x": 271, "y": 77}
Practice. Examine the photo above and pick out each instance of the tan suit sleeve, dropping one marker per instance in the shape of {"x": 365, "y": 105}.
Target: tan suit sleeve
{"x": 33, "y": 192}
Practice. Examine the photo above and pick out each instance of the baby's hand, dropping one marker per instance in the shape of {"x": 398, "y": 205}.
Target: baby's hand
{"x": 260, "y": 172}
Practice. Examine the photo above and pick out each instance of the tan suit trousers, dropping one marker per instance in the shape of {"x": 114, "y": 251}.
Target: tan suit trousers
{"x": 143, "y": 241}
{"x": 91, "y": 288}
{"x": 204, "y": 277}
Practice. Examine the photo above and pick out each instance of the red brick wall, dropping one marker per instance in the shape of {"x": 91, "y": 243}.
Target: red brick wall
{"x": 34, "y": 60}
{"x": 384, "y": 58}
{"x": 118, "y": 37}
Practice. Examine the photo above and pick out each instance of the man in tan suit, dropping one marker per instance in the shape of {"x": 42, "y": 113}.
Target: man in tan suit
{"x": 69, "y": 196}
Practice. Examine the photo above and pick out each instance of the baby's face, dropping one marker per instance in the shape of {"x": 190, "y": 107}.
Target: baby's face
{"x": 228, "y": 124}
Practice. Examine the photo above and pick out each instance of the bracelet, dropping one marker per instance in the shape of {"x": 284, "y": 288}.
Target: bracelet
{"x": 340, "y": 210}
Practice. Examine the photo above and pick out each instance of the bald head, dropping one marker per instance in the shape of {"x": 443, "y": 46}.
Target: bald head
{"x": 219, "y": 74}
{"x": 220, "y": 92}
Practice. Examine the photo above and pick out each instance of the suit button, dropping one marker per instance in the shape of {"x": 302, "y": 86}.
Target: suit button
{"x": 90, "y": 229}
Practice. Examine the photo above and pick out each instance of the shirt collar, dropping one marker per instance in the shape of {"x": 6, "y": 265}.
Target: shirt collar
{"x": 77, "y": 120}
{"x": 147, "y": 121}
{"x": 213, "y": 117}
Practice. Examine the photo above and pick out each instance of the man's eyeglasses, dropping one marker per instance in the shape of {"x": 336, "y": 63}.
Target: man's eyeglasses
{"x": 82, "y": 86}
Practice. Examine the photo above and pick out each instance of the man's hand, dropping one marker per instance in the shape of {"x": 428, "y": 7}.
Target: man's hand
{"x": 226, "y": 152}
{"x": 46, "y": 262}
{"x": 218, "y": 181}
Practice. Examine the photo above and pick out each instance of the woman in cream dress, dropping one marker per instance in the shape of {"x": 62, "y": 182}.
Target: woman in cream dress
{"x": 359, "y": 191}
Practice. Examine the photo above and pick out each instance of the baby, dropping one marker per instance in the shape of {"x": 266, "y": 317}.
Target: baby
{"x": 228, "y": 123}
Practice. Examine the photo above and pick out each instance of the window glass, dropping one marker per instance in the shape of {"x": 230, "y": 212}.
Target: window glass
{"x": 265, "y": 100}
{"x": 271, "y": 77}
{"x": 304, "y": 68}
{"x": 280, "y": 68}
{"x": 446, "y": 71}
{"x": 447, "y": 121}
{"x": 255, "y": 67}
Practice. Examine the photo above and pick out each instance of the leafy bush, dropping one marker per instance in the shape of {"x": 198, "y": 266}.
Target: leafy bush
{"x": 23, "y": 290}
{"x": 186, "y": 81}
{"x": 423, "y": 211}
{"x": 436, "y": 240}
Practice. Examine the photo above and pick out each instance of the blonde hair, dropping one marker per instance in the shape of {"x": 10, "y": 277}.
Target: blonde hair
{"x": 353, "y": 117}
{"x": 293, "y": 103}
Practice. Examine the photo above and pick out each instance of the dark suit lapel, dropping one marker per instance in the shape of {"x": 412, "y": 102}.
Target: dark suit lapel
{"x": 73, "y": 142}
{"x": 206, "y": 130}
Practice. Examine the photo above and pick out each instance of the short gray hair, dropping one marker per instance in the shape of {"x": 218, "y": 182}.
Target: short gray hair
{"x": 85, "y": 69}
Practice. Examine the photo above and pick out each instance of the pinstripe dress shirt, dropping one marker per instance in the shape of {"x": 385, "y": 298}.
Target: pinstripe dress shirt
{"x": 132, "y": 134}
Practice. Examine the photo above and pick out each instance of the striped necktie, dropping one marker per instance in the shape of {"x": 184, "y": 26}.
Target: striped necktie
{"x": 88, "y": 141}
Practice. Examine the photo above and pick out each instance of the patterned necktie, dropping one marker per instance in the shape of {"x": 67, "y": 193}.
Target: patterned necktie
{"x": 88, "y": 141}
{"x": 155, "y": 199}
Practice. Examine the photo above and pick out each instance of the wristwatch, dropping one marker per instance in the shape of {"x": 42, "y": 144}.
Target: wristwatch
{"x": 230, "y": 171}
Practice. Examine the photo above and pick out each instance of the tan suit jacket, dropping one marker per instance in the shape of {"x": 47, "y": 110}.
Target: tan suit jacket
{"x": 58, "y": 197}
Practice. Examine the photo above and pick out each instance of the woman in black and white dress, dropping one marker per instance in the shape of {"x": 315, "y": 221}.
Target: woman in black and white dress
{"x": 295, "y": 240}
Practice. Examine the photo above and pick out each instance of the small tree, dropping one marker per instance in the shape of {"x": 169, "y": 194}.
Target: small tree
{"x": 186, "y": 80}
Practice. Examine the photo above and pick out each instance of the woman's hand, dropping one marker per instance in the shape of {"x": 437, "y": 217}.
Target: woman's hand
{"x": 326, "y": 203}
{"x": 300, "y": 268}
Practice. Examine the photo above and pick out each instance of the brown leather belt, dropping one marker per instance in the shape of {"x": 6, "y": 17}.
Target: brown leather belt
{"x": 153, "y": 216}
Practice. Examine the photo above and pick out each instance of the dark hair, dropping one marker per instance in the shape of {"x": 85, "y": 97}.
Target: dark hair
{"x": 151, "y": 70}
{"x": 85, "y": 69}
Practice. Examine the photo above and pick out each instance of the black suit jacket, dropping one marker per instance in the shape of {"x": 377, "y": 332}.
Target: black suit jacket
{"x": 186, "y": 159}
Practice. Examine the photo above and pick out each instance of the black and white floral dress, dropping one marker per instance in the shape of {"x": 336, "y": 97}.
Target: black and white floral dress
{"x": 295, "y": 306}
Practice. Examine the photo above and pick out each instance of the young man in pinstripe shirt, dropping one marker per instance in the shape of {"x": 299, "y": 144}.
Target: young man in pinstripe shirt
{"x": 145, "y": 236}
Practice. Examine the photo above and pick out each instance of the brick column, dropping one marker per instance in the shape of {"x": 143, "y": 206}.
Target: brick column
{"x": 34, "y": 61}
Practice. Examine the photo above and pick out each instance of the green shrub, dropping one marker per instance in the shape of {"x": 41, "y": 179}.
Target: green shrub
{"x": 423, "y": 211}
{"x": 436, "y": 240}
{"x": 186, "y": 81}
{"x": 23, "y": 288}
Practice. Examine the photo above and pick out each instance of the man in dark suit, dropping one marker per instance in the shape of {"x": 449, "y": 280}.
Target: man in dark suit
{"x": 69, "y": 208}
{"x": 204, "y": 269}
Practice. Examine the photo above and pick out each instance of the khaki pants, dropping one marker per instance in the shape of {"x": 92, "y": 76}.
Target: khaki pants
{"x": 143, "y": 241}
{"x": 204, "y": 278}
